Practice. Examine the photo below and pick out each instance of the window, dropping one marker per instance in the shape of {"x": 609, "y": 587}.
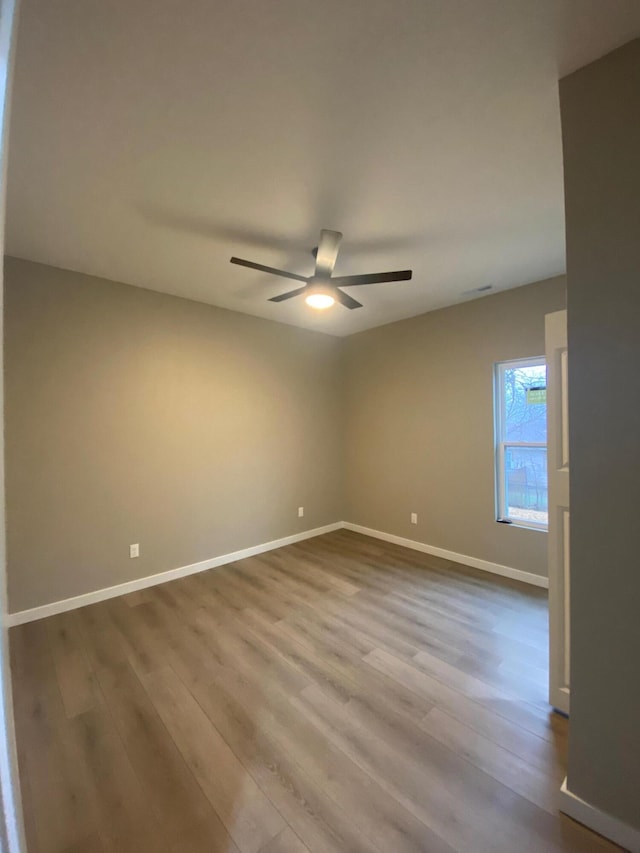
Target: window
{"x": 521, "y": 442}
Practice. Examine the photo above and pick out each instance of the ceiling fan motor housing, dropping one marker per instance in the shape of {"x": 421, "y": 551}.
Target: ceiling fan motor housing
{"x": 321, "y": 285}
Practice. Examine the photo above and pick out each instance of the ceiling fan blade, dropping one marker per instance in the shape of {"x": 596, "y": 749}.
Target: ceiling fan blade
{"x": 272, "y": 270}
{"x": 282, "y": 296}
{"x": 372, "y": 278}
{"x": 327, "y": 253}
{"x": 346, "y": 300}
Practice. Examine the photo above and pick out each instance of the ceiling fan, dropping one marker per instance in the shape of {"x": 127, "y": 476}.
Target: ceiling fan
{"x": 320, "y": 289}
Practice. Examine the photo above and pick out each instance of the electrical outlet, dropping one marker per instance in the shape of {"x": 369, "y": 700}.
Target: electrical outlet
{"x": 300, "y": 511}
{"x": 414, "y": 518}
{"x": 134, "y": 551}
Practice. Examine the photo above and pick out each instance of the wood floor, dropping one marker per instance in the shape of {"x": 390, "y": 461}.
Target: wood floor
{"x": 338, "y": 695}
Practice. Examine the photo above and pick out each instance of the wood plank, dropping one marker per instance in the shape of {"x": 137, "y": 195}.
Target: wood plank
{"x": 430, "y": 781}
{"x": 504, "y": 702}
{"x": 124, "y": 814}
{"x": 208, "y": 836}
{"x": 57, "y": 799}
{"x": 338, "y": 694}
{"x": 133, "y": 599}
{"x": 386, "y": 823}
{"x": 286, "y": 842}
{"x": 247, "y": 814}
{"x": 408, "y": 674}
{"x": 170, "y": 786}
{"x": 141, "y": 642}
{"x": 236, "y": 707}
{"x": 76, "y": 679}
{"x": 503, "y": 765}
{"x": 338, "y": 674}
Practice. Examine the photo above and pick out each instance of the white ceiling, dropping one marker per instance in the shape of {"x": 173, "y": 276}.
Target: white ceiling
{"x": 150, "y": 141}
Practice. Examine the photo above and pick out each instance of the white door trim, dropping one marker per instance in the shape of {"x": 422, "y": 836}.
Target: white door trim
{"x": 11, "y": 827}
{"x": 601, "y": 822}
{"x": 559, "y": 510}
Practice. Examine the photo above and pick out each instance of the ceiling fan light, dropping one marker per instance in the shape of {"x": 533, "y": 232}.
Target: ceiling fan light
{"x": 320, "y": 298}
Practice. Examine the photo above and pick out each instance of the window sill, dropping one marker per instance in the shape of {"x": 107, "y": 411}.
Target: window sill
{"x": 522, "y": 526}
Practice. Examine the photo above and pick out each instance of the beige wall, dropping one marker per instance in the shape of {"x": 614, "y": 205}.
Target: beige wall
{"x": 601, "y": 136}
{"x": 136, "y": 417}
{"x": 420, "y": 423}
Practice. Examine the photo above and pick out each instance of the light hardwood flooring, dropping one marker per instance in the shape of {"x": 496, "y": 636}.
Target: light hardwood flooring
{"x": 337, "y": 695}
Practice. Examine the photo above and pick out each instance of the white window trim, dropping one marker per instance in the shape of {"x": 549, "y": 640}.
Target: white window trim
{"x": 500, "y": 445}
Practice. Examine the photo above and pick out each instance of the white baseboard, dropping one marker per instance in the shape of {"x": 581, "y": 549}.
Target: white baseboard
{"x": 173, "y": 574}
{"x": 601, "y": 822}
{"x": 483, "y": 565}
{"x": 162, "y": 577}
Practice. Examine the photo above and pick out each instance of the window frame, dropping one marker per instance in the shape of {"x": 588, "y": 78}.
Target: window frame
{"x": 500, "y": 444}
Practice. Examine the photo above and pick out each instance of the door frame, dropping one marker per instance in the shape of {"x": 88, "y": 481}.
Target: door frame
{"x": 559, "y": 510}
{"x": 11, "y": 822}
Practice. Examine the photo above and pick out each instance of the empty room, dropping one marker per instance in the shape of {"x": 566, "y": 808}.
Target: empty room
{"x": 321, "y": 333}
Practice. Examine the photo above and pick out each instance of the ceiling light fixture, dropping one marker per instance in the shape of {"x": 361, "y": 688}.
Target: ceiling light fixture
{"x": 320, "y": 297}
